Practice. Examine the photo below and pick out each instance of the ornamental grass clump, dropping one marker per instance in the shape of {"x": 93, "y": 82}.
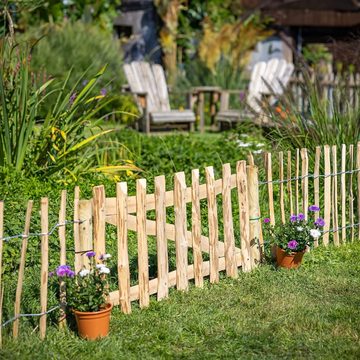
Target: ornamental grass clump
{"x": 295, "y": 235}
{"x": 88, "y": 289}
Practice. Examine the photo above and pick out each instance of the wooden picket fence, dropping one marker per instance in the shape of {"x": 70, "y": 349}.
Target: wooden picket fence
{"x": 288, "y": 194}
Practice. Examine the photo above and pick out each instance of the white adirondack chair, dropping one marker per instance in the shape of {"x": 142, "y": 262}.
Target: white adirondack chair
{"x": 148, "y": 84}
{"x": 267, "y": 79}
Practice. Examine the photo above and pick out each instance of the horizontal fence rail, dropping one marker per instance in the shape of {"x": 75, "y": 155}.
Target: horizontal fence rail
{"x": 191, "y": 232}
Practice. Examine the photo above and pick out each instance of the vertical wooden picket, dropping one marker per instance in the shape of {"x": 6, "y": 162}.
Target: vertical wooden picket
{"x": 305, "y": 181}
{"x": 196, "y": 227}
{"x": 317, "y": 185}
{"x": 181, "y": 246}
{"x": 229, "y": 239}
{"x": 297, "y": 201}
{"x": 122, "y": 247}
{"x": 243, "y": 198}
{"x": 335, "y": 219}
{"x": 99, "y": 220}
{"x": 44, "y": 215}
{"x": 62, "y": 238}
{"x": 327, "y": 194}
{"x": 143, "y": 259}
{"x": 22, "y": 268}
{"x": 343, "y": 193}
{"x": 289, "y": 183}
{"x": 254, "y": 216}
{"x": 161, "y": 241}
{"x": 85, "y": 232}
{"x": 351, "y": 193}
{"x": 76, "y": 228}
{"x": 1, "y": 252}
{"x": 213, "y": 224}
{"x": 268, "y": 163}
{"x": 281, "y": 178}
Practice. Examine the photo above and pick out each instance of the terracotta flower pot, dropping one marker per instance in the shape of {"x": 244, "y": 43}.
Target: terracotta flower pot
{"x": 288, "y": 261}
{"x": 93, "y": 325}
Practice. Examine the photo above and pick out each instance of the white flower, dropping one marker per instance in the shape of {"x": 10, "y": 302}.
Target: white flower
{"x": 257, "y": 151}
{"x": 106, "y": 256}
{"x": 243, "y": 144}
{"x": 260, "y": 144}
{"x": 315, "y": 233}
{"x": 104, "y": 270}
{"x": 299, "y": 228}
{"x": 84, "y": 272}
{"x": 100, "y": 266}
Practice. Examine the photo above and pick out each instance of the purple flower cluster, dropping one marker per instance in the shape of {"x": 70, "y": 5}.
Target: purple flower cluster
{"x": 266, "y": 220}
{"x": 314, "y": 208}
{"x": 300, "y": 217}
{"x": 292, "y": 244}
{"x": 320, "y": 222}
{"x": 90, "y": 254}
{"x": 65, "y": 270}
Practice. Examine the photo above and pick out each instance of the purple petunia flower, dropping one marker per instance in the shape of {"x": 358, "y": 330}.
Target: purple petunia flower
{"x": 314, "y": 208}
{"x": 51, "y": 273}
{"x": 293, "y": 218}
{"x": 320, "y": 222}
{"x": 292, "y": 244}
{"x": 63, "y": 270}
{"x": 71, "y": 273}
{"x": 90, "y": 254}
{"x": 266, "y": 220}
{"x": 301, "y": 217}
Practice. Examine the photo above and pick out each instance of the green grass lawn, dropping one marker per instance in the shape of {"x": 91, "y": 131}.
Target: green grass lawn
{"x": 313, "y": 312}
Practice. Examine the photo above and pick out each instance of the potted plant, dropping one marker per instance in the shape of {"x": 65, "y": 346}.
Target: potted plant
{"x": 293, "y": 238}
{"x": 86, "y": 296}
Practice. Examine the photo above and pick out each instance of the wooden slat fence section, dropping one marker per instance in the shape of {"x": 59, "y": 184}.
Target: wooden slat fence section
{"x": 343, "y": 193}
{"x": 281, "y": 178}
{"x": 334, "y": 197}
{"x": 317, "y": 186}
{"x": 99, "y": 220}
{"x": 85, "y": 231}
{"x": 351, "y": 193}
{"x": 327, "y": 194}
{"x": 305, "y": 181}
{"x": 76, "y": 227}
{"x": 289, "y": 183}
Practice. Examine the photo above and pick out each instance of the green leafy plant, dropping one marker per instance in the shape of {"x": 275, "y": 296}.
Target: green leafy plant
{"x": 87, "y": 290}
{"x": 295, "y": 235}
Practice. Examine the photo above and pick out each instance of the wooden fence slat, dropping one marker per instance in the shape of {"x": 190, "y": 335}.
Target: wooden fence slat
{"x": 358, "y": 185}
{"x": 1, "y": 252}
{"x": 99, "y": 220}
{"x": 335, "y": 198}
{"x": 44, "y": 217}
{"x": 327, "y": 194}
{"x": 62, "y": 238}
{"x": 243, "y": 199}
{"x": 229, "y": 238}
{"x": 343, "y": 193}
{"x": 143, "y": 259}
{"x": 270, "y": 188}
{"x": 196, "y": 228}
{"x": 22, "y": 268}
{"x": 181, "y": 246}
{"x": 213, "y": 225}
{"x": 297, "y": 167}
{"x": 76, "y": 228}
{"x": 305, "y": 181}
{"x": 122, "y": 248}
{"x": 281, "y": 178}
{"x": 317, "y": 185}
{"x": 289, "y": 183}
{"x": 161, "y": 241}
{"x": 351, "y": 193}
{"x": 85, "y": 232}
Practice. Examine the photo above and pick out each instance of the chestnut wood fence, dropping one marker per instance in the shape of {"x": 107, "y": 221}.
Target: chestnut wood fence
{"x": 329, "y": 178}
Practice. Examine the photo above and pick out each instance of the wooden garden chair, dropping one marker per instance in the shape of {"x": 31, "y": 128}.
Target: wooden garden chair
{"x": 148, "y": 84}
{"x": 267, "y": 79}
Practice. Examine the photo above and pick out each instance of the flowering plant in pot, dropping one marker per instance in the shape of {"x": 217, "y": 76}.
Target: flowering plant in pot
{"x": 86, "y": 296}
{"x": 293, "y": 238}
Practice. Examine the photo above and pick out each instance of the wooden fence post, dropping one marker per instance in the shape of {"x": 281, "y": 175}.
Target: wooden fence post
{"x": 85, "y": 232}
{"x": 243, "y": 199}
{"x": 180, "y": 231}
{"x": 196, "y": 228}
{"x": 289, "y": 184}
{"x": 254, "y": 217}
{"x": 335, "y": 199}
{"x": 99, "y": 220}
{"x": 327, "y": 194}
{"x": 305, "y": 181}
{"x": 317, "y": 186}
{"x": 143, "y": 259}
{"x": 343, "y": 193}
{"x": 229, "y": 239}
{"x": 44, "y": 263}
{"x": 122, "y": 245}
{"x": 76, "y": 227}
{"x": 351, "y": 192}
{"x": 161, "y": 241}
{"x": 297, "y": 201}
{"x": 213, "y": 224}
{"x": 269, "y": 180}
{"x": 22, "y": 268}
{"x": 281, "y": 178}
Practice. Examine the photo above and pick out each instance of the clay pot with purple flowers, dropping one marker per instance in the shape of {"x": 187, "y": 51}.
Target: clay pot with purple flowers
{"x": 290, "y": 240}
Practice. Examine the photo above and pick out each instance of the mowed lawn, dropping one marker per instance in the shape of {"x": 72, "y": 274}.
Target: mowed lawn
{"x": 311, "y": 313}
